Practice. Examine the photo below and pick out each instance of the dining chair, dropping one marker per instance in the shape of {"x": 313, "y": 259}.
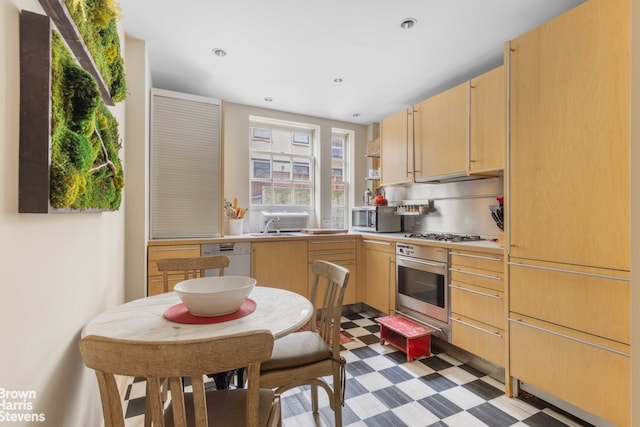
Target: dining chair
{"x": 190, "y": 267}
{"x": 251, "y": 407}
{"x": 303, "y": 358}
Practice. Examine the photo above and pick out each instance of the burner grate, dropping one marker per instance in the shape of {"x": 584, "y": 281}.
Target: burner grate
{"x": 445, "y": 237}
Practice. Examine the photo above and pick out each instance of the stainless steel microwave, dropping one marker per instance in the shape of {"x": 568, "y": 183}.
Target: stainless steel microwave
{"x": 376, "y": 219}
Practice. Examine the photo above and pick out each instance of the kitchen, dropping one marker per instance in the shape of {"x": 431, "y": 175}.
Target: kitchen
{"x": 66, "y": 300}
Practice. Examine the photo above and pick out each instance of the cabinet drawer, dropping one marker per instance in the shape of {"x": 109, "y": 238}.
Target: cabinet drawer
{"x": 379, "y": 245}
{"x": 154, "y": 283}
{"x": 333, "y": 256}
{"x": 484, "y": 305}
{"x": 585, "y": 300}
{"x": 174, "y": 251}
{"x": 477, "y": 338}
{"x": 486, "y": 279}
{"x": 329, "y": 245}
{"x": 350, "y": 294}
{"x": 479, "y": 260}
{"x": 573, "y": 367}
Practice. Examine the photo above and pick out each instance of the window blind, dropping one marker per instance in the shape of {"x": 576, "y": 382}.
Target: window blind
{"x": 185, "y": 166}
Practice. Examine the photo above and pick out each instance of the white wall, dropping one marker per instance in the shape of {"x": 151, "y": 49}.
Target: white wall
{"x": 58, "y": 271}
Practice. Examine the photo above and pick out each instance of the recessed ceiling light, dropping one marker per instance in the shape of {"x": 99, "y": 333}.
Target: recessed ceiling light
{"x": 268, "y": 99}
{"x": 219, "y": 52}
{"x": 408, "y": 23}
{"x": 338, "y": 80}
{"x": 356, "y": 114}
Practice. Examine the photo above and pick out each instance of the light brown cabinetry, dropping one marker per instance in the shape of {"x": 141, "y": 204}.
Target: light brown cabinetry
{"x": 569, "y": 131}
{"x": 478, "y": 304}
{"x": 281, "y": 264}
{"x": 341, "y": 251}
{"x": 396, "y": 148}
{"x": 568, "y": 208}
{"x": 442, "y": 133}
{"x": 380, "y": 275}
{"x": 487, "y": 122}
{"x": 154, "y": 253}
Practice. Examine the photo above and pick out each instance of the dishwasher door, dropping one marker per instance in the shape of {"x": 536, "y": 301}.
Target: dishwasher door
{"x": 239, "y": 257}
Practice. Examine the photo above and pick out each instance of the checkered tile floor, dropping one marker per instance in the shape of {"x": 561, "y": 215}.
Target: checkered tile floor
{"x": 383, "y": 390}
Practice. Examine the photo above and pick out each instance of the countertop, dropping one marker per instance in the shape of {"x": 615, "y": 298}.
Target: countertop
{"x": 479, "y": 245}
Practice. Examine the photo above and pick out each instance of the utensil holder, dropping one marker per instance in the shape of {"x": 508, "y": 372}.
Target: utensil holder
{"x": 234, "y": 226}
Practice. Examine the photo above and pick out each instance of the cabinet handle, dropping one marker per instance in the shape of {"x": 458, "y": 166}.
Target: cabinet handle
{"x": 495, "y": 334}
{"x": 172, "y": 249}
{"x": 558, "y": 334}
{"x": 322, "y": 253}
{"x": 475, "y": 256}
{"x": 561, "y": 270}
{"x": 324, "y": 242}
{"x": 475, "y": 292}
{"x": 486, "y": 276}
{"x": 378, "y": 242}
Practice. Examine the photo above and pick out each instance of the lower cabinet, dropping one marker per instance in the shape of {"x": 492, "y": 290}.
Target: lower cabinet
{"x": 341, "y": 251}
{"x": 570, "y": 334}
{"x": 477, "y": 304}
{"x": 154, "y": 253}
{"x": 281, "y": 264}
{"x": 589, "y": 372}
{"x": 380, "y": 275}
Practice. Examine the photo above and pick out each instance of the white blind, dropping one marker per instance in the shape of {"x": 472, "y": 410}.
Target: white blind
{"x": 185, "y": 166}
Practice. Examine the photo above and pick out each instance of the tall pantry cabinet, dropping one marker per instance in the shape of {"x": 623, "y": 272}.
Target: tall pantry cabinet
{"x": 568, "y": 208}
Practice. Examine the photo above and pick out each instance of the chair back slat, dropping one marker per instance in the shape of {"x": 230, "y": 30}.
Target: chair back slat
{"x": 174, "y": 360}
{"x": 191, "y": 267}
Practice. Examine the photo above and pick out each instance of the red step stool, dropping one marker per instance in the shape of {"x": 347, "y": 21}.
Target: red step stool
{"x": 410, "y": 337}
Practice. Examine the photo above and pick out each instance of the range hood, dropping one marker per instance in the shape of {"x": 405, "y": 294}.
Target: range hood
{"x": 455, "y": 177}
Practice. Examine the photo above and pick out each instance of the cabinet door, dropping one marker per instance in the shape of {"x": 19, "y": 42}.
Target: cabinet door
{"x": 488, "y": 121}
{"x": 569, "y": 138}
{"x": 380, "y": 276}
{"x": 396, "y": 148}
{"x": 154, "y": 253}
{"x": 442, "y": 133}
{"x": 281, "y": 265}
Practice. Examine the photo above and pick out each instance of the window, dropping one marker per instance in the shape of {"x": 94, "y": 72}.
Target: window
{"x": 339, "y": 187}
{"x": 281, "y": 164}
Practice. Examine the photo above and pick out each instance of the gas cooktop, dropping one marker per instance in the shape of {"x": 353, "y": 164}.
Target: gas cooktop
{"x": 445, "y": 237}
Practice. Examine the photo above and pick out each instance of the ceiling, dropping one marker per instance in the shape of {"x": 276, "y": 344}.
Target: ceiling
{"x": 292, "y": 50}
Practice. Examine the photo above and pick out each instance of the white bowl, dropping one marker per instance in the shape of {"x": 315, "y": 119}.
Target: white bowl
{"x": 214, "y": 296}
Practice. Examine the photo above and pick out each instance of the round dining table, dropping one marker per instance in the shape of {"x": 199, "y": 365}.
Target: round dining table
{"x": 277, "y": 310}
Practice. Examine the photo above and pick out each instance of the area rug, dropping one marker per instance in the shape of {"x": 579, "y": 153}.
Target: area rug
{"x": 344, "y": 336}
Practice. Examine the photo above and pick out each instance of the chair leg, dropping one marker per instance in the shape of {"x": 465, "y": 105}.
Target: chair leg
{"x": 314, "y": 398}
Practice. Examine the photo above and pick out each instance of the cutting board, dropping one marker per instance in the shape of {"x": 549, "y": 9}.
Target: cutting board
{"x": 322, "y": 231}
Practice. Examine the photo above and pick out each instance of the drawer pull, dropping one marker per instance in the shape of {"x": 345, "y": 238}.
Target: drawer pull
{"x": 328, "y": 242}
{"x": 475, "y": 256}
{"x": 486, "y": 276}
{"x": 475, "y": 292}
{"x": 378, "y": 242}
{"x": 561, "y": 270}
{"x": 495, "y": 334}
{"x": 173, "y": 249}
{"x": 578, "y": 340}
{"x": 323, "y": 253}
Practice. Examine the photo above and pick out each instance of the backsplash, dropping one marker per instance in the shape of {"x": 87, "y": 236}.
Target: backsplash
{"x": 456, "y": 207}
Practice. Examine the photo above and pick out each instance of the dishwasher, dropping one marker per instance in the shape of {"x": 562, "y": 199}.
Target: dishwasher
{"x": 239, "y": 257}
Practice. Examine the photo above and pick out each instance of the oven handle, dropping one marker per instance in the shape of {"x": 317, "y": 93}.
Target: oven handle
{"x": 408, "y": 261}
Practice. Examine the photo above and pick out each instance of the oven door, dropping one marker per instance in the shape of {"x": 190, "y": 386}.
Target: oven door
{"x": 422, "y": 292}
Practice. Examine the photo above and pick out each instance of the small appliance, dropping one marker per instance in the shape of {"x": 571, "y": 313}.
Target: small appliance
{"x": 376, "y": 219}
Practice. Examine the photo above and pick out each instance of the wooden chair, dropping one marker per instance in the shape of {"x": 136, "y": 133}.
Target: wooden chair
{"x": 251, "y": 407}
{"x": 302, "y": 358}
{"x": 190, "y": 267}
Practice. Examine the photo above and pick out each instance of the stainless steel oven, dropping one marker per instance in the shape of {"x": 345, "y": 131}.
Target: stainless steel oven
{"x": 422, "y": 293}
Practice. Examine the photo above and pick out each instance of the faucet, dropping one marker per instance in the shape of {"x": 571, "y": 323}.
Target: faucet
{"x": 269, "y": 222}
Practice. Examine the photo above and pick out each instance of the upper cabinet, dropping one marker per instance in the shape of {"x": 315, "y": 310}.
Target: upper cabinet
{"x": 569, "y": 138}
{"x": 396, "y": 148}
{"x": 487, "y": 121}
{"x": 442, "y": 134}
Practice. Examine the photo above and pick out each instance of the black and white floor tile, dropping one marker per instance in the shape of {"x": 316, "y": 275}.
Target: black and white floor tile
{"x": 384, "y": 390}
